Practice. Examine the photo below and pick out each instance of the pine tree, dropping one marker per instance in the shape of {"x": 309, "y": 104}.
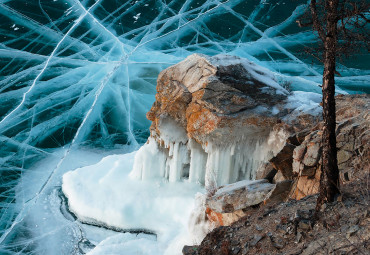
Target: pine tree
{"x": 342, "y": 26}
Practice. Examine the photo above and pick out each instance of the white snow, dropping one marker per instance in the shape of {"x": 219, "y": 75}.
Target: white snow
{"x": 304, "y": 102}
{"x": 105, "y": 194}
{"x": 258, "y": 72}
{"x": 128, "y": 244}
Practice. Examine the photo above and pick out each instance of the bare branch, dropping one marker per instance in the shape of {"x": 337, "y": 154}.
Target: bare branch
{"x": 301, "y": 24}
{"x": 315, "y": 19}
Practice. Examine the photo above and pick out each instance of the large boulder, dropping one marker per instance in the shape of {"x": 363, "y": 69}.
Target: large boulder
{"x": 214, "y": 121}
{"x": 218, "y": 98}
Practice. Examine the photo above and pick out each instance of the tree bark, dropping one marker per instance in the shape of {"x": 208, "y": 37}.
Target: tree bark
{"x": 329, "y": 181}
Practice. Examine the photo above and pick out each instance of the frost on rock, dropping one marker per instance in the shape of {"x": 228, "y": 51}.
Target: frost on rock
{"x": 240, "y": 195}
{"x": 213, "y": 122}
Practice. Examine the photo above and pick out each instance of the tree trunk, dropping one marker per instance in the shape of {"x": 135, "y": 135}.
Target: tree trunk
{"x": 329, "y": 181}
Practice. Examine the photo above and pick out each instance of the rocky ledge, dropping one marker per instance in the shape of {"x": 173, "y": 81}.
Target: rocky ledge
{"x": 294, "y": 172}
{"x": 300, "y": 158}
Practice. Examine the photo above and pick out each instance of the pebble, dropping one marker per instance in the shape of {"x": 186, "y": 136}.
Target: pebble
{"x": 284, "y": 229}
{"x": 299, "y": 237}
{"x": 256, "y": 239}
{"x": 276, "y": 241}
{"x": 259, "y": 228}
{"x": 352, "y": 230}
{"x": 189, "y": 250}
{"x": 305, "y": 225}
{"x": 245, "y": 249}
{"x": 235, "y": 250}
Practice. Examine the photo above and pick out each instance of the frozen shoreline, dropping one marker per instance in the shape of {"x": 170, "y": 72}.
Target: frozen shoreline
{"x": 104, "y": 193}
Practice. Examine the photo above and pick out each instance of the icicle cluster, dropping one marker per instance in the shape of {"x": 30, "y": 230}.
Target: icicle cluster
{"x": 175, "y": 157}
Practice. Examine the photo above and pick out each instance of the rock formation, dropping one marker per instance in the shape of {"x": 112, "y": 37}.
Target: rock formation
{"x": 223, "y": 121}
{"x": 301, "y": 161}
{"x": 229, "y": 203}
{"x": 295, "y": 171}
{"x": 353, "y": 137}
{"x": 212, "y": 121}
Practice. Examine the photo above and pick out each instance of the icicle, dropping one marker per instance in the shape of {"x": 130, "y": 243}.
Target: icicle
{"x": 212, "y": 165}
{"x": 198, "y": 160}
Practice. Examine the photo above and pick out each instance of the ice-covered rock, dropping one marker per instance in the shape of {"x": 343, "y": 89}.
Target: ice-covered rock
{"x": 212, "y": 98}
{"x": 240, "y": 195}
{"x": 213, "y": 121}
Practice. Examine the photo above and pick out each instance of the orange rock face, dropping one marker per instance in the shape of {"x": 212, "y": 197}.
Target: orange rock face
{"x": 211, "y": 98}
{"x": 212, "y": 120}
{"x": 224, "y": 219}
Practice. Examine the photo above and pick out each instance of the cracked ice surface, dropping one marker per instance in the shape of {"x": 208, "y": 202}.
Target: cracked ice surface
{"x": 77, "y": 77}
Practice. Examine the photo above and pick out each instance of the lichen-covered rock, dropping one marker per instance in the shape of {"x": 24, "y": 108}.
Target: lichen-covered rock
{"x": 214, "y": 121}
{"x": 300, "y": 158}
{"x": 352, "y": 143}
{"x": 312, "y": 154}
{"x": 224, "y": 219}
{"x": 233, "y": 201}
{"x": 298, "y": 180}
{"x": 353, "y": 140}
{"x": 212, "y": 98}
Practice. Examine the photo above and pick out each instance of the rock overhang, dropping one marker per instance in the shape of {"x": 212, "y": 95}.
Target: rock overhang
{"x": 213, "y": 120}
{"x": 211, "y": 97}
